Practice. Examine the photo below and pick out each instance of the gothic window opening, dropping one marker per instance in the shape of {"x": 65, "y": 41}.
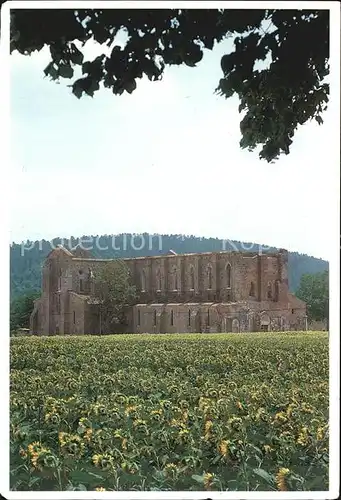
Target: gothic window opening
{"x": 175, "y": 279}
{"x": 154, "y": 317}
{"x": 91, "y": 281}
{"x": 228, "y": 275}
{"x": 191, "y": 278}
{"x": 209, "y": 278}
{"x": 189, "y": 318}
{"x": 81, "y": 281}
{"x": 58, "y": 304}
{"x": 138, "y": 317}
{"x": 235, "y": 326}
{"x": 208, "y": 317}
{"x": 252, "y": 289}
{"x": 74, "y": 317}
{"x": 172, "y": 318}
{"x": 143, "y": 281}
{"x": 158, "y": 280}
{"x": 269, "y": 291}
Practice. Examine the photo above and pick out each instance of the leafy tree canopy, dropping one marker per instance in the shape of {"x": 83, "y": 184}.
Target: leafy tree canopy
{"x": 274, "y": 100}
{"x": 21, "y": 309}
{"x": 314, "y": 290}
{"x": 113, "y": 291}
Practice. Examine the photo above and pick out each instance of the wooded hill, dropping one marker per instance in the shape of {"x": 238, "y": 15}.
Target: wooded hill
{"x": 26, "y": 260}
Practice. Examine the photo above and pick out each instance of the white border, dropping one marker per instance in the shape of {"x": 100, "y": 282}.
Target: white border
{"x": 333, "y": 223}
{"x": 166, "y": 4}
{"x": 5, "y": 168}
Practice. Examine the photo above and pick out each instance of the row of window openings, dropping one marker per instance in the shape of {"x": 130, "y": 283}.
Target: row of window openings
{"x": 209, "y": 282}
{"x": 82, "y": 278}
{"x": 252, "y": 291}
{"x": 171, "y": 318}
{"x": 192, "y": 279}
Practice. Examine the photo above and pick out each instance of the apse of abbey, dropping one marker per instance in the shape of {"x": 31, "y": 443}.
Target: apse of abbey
{"x": 207, "y": 292}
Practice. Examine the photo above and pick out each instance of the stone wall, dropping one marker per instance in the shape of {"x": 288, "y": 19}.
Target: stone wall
{"x": 76, "y": 315}
{"x": 215, "y": 317}
{"x": 209, "y": 292}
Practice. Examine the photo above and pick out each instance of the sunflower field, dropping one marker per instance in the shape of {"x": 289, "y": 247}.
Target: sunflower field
{"x": 214, "y": 412}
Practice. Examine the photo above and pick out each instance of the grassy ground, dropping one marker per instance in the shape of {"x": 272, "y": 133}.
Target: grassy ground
{"x": 170, "y": 412}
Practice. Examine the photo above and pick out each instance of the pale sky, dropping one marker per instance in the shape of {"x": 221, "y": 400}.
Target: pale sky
{"x": 165, "y": 159}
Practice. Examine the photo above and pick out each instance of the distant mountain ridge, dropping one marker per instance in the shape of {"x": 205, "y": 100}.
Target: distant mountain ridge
{"x": 26, "y": 260}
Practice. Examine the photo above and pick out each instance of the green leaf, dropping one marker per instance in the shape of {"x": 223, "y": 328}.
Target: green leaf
{"x": 65, "y": 71}
{"x": 77, "y": 88}
{"x": 264, "y": 475}
{"x": 198, "y": 479}
{"x": 51, "y": 71}
{"x": 79, "y": 476}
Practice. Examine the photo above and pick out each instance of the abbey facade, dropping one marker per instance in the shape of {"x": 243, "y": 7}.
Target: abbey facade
{"x": 207, "y": 292}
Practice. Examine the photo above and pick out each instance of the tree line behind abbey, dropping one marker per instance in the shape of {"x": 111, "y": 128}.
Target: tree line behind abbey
{"x": 26, "y": 260}
{"x": 308, "y": 276}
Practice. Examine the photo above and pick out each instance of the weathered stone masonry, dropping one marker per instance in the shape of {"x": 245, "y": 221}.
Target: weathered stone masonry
{"x": 208, "y": 292}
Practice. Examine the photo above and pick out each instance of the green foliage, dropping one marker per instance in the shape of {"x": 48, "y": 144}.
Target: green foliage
{"x": 114, "y": 292}
{"x": 275, "y": 99}
{"x": 26, "y": 266}
{"x": 170, "y": 412}
{"x": 314, "y": 290}
{"x": 290, "y": 91}
{"x": 21, "y": 309}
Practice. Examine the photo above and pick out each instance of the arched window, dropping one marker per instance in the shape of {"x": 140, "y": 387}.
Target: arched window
{"x": 191, "y": 278}
{"x": 209, "y": 277}
{"x": 189, "y": 318}
{"x": 172, "y": 318}
{"x": 158, "y": 279}
{"x": 154, "y": 318}
{"x": 81, "y": 281}
{"x": 252, "y": 289}
{"x": 208, "y": 317}
{"x": 91, "y": 281}
{"x": 235, "y": 326}
{"x": 143, "y": 280}
{"x": 228, "y": 275}
{"x": 175, "y": 278}
{"x": 269, "y": 290}
{"x": 264, "y": 322}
